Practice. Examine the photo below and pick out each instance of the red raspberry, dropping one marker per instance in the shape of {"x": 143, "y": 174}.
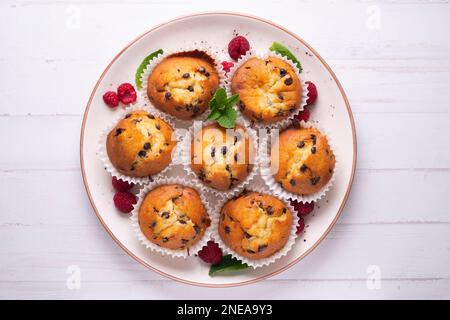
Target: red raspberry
{"x": 303, "y": 115}
{"x": 226, "y": 66}
{"x": 126, "y": 93}
{"x": 237, "y": 47}
{"x": 124, "y": 201}
{"x": 121, "y": 185}
{"x": 111, "y": 99}
{"x": 211, "y": 253}
{"x": 302, "y": 208}
{"x": 301, "y": 225}
{"x": 312, "y": 93}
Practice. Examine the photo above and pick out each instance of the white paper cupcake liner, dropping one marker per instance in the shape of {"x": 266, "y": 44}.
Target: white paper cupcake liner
{"x": 109, "y": 167}
{"x": 304, "y": 93}
{"x": 274, "y": 186}
{"x": 154, "y": 247}
{"x": 260, "y": 262}
{"x": 186, "y": 160}
{"x": 153, "y": 63}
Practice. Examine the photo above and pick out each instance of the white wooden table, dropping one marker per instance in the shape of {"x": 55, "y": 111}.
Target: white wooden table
{"x": 393, "y": 59}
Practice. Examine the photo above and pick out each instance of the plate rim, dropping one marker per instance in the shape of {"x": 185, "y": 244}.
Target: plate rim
{"x": 341, "y": 207}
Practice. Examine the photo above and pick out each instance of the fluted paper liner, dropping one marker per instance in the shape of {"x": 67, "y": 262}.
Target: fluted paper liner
{"x": 274, "y": 186}
{"x": 186, "y": 160}
{"x": 304, "y": 93}
{"x": 154, "y": 247}
{"x": 153, "y": 63}
{"x": 103, "y": 154}
{"x": 260, "y": 262}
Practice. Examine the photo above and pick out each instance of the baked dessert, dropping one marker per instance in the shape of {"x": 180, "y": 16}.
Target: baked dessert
{"x": 173, "y": 216}
{"x": 269, "y": 90}
{"x": 255, "y": 225}
{"x": 140, "y": 145}
{"x": 221, "y": 161}
{"x": 183, "y": 83}
{"x": 304, "y": 159}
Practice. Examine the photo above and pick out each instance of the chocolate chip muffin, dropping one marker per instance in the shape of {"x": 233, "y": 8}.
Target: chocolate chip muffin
{"x": 269, "y": 89}
{"x": 173, "y": 216}
{"x": 255, "y": 225}
{"x": 305, "y": 160}
{"x": 182, "y": 84}
{"x": 140, "y": 145}
{"x": 221, "y": 161}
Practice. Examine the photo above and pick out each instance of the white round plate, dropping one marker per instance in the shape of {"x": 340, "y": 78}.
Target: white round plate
{"x": 331, "y": 110}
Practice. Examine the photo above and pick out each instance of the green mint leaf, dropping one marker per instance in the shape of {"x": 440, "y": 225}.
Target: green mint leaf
{"x": 231, "y": 101}
{"x": 144, "y": 64}
{"x": 278, "y": 47}
{"x": 227, "y": 264}
{"x": 214, "y": 115}
{"x": 219, "y": 99}
{"x": 227, "y": 119}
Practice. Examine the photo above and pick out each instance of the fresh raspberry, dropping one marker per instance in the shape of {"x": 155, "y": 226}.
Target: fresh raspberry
{"x": 237, "y": 47}
{"x": 124, "y": 201}
{"x": 312, "y": 93}
{"x": 301, "y": 225}
{"x": 121, "y": 185}
{"x": 303, "y": 115}
{"x": 126, "y": 93}
{"x": 226, "y": 66}
{"x": 111, "y": 99}
{"x": 211, "y": 253}
{"x": 302, "y": 208}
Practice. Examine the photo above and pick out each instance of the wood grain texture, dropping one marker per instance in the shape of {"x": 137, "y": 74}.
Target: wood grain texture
{"x": 395, "y": 73}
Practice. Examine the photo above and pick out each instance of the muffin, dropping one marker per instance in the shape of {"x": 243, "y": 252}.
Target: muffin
{"x": 269, "y": 90}
{"x": 182, "y": 84}
{"x": 173, "y": 216}
{"x": 140, "y": 145}
{"x": 221, "y": 162}
{"x": 305, "y": 160}
{"x": 255, "y": 225}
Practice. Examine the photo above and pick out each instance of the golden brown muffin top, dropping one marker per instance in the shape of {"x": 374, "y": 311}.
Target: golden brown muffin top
{"x": 222, "y": 157}
{"x": 182, "y": 84}
{"x": 139, "y": 140}
{"x": 255, "y": 225}
{"x": 173, "y": 216}
{"x": 306, "y": 161}
{"x": 268, "y": 89}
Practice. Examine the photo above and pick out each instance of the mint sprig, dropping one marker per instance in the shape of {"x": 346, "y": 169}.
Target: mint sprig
{"x": 228, "y": 264}
{"x": 222, "y": 109}
{"x": 144, "y": 64}
{"x": 278, "y": 47}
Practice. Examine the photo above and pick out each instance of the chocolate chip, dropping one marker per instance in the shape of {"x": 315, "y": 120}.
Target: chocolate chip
{"x": 201, "y": 175}
{"x": 301, "y": 144}
{"x": 247, "y": 235}
{"x": 330, "y": 170}
{"x": 165, "y": 239}
{"x": 280, "y": 96}
{"x": 128, "y": 115}
{"x": 119, "y": 131}
{"x": 314, "y": 138}
{"x": 224, "y": 150}
{"x": 237, "y": 137}
{"x": 288, "y": 81}
{"x": 314, "y": 180}
{"x": 186, "y": 75}
{"x": 165, "y": 215}
{"x": 190, "y": 88}
{"x": 182, "y": 221}
{"x": 241, "y": 106}
{"x": 236, "y": 157}
{"x": 303, "y": 168}
{"x": 213, "y": 152}
{"x": 284, "y": 210}
{"x": 142, "y": 153}
{"x": 184, "y": 241}
{"x": 283, "y": 72}
{"x": 227, "y": 229}
{"x": 313, "y": 150}
{"x": 195, "y": 110}
{"x": 270, "y": 210}
{"x": 227, "y": 167}
{"x": 157, "y": 126}
{"x": 207, "y": 74}
{"x": 147, "y": 145}
{"x": 150, "y": 116}
{"x": 292, "y": 182}
{"x": 250, "y": 251}
{"x": 197, "y": 229}
{"x": 167, "y": 95}
{"x": 262, "y": 247}
{"x": 153, "y": 224}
